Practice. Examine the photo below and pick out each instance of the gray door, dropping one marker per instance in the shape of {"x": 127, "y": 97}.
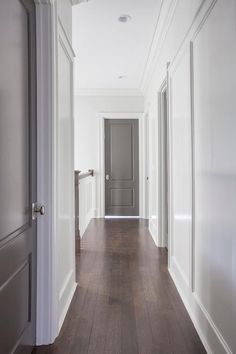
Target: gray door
{"x": 122, "y": 167}
{"x": 17, "y": 176}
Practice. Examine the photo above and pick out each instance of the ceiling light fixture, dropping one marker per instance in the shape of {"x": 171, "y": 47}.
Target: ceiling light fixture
{"x": 121, "y": 77}
{"x": 124, "y": 18}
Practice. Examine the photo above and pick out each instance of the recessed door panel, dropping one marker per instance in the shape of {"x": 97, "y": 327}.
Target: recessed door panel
{"x": 122, "y": 197}
{"x": 121, "y": 152}
{"x": 17, "y": 176}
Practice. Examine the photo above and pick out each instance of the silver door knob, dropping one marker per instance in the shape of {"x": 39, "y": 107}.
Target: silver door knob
{"x": 40, "y": 210}
{"x": 107, "y": 177}
{"x": 37, "y": 209}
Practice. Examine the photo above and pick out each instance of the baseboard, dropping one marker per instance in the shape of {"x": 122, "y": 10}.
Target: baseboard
{"x": 121, "y": 217}
{"x": 89, "y": 217}
{"x": 208, "y": 332}
{"x": 153, "y": 232}
{"x": 66, "y": 307}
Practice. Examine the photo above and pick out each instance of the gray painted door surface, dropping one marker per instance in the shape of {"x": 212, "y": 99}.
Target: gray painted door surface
{"x": 121, "y": 167}
{"x": 17, "y": 176}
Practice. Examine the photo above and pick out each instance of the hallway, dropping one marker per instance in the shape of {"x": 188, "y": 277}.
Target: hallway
{"x": 125, "y": 301}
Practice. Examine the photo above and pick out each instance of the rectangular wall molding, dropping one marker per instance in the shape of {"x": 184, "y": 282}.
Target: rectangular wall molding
{"x": 86, "y": 202}
{"x": 198, "y": 163}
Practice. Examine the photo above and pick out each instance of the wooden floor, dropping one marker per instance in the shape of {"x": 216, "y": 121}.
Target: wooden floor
{"x": 126, "y": 302}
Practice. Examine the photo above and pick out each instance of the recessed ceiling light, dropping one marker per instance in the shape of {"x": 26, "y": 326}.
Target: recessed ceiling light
{"x": 124, "y": 18}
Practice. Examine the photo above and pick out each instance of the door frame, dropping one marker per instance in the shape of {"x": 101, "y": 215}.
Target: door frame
{"x": 147, "y": 163}
{"x": 101, "y": 182}
{"x": 49, "y": 31}
{"x": 46, "y": 38}
{"x": 163, "y": 184}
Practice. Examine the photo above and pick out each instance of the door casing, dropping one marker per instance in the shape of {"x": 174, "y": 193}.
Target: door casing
{"x": 49, "y": 29}
{"x": 163, "y": 165}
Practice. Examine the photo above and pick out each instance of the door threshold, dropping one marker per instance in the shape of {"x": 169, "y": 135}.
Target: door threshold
{"x": 121, "y": 217}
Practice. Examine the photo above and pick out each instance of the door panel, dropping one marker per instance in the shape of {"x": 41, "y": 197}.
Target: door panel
{"x": 122, "y": 167}
{"x": 17, "y": 176}
{"x": 121, "y": 156}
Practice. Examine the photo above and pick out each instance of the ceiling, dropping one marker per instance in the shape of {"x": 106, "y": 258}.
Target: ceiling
{"x": 106, "y": 48}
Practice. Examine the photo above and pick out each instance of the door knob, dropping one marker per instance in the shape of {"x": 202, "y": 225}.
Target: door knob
{"x": 40, "y": 210}
{"x": 37, "y": 209}
{"x": 107, "y": 177}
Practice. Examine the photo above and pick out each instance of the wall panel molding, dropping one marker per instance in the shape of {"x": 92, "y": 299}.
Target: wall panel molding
{"x": 86, "y": 202}
{"x": 172, "y": 71}
{"x": 207, "y": 327}
{"x": 65, "y": 227}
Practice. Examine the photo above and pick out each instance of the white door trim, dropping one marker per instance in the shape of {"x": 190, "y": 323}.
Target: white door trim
{"x": 163, "y": 184}
{"x": 146, "y": 164}
{"x": 101, "y": 197}
{"x": 48, "y": 33}
{"x": 46, "y": 38}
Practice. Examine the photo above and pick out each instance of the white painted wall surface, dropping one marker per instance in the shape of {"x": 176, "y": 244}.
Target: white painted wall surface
{"x": 87, "y": 145}
{"x": 202, "y": 240}
{"x": 87, "y": 202}
{"x": 65, "y": 221}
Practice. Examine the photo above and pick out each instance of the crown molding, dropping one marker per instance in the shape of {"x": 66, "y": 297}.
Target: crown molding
{"x": 44, "y": 2}
{"x": 164, "y": 21}
{"x": 109, "y": 92}
{"x": 78, "y": 2}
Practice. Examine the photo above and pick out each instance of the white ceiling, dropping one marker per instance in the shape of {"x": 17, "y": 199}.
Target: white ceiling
{"x": 106, "y": 48}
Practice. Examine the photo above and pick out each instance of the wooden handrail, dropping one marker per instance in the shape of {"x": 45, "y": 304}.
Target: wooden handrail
{"x": 85, "y": 174}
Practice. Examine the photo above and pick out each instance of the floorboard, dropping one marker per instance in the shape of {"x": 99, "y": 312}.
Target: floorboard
{"x": 126, "y": 301}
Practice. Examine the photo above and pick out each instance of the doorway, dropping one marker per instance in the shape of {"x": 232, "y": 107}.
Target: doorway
{"x": 18, "y": 161}
{"x": 122, "y": 167}
{"x": 163, "y": 164}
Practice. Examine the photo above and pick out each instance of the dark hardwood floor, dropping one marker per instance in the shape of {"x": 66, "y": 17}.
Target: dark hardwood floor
{"x": 126, "y": 301}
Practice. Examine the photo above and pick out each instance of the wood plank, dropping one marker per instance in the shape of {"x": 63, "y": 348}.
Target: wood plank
{"x": 126, "y": 301}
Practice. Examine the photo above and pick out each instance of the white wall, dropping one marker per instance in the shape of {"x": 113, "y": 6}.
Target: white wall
{"x": 202, "y": 110}
{"x": 87, "y": 123}
{"x": 65, "y": 223}
{"x": 87, "y": 109}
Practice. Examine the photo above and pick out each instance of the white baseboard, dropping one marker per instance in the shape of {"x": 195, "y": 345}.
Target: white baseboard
{"x": 121, "y": 217}
{"x": 86, "y": 222}
{"x": 66, "y": 307}
{"x": 208, "y": 332}
{"x": 153, "y": 231}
